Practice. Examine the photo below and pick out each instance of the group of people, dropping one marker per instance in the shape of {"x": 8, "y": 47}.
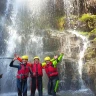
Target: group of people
{"x": 35, "y": 70}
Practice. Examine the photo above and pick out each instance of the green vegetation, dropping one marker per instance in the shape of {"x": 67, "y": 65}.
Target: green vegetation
{"x": 86, "y": 17}
{"x": 94, "y": 39}
{"x": 84, "y": 33}
{"x": 93, "y": 31}
{"x": 92, "y": 34}
{"x": 90, "y": 53}
{"x": 89, "y": 21}
{"x": 88, "y": 26}
{"x": 60, "y": 22}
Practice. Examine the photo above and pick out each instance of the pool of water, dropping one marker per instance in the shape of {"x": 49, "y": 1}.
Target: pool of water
{"x": 84, "y": 92}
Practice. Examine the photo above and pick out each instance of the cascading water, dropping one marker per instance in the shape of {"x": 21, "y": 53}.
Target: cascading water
{"x": 25, "y": 24}
{"x": 71, "y": 7}
{"x": 20, "y": 40}
{"x": 69, "y": 11}
{"x": 83, "y": 48}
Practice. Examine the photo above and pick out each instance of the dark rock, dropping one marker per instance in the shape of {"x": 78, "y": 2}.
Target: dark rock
{"x": 1, "y": 75}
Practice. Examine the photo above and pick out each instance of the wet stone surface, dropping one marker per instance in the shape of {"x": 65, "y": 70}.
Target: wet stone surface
{"x": 84, "y": 92}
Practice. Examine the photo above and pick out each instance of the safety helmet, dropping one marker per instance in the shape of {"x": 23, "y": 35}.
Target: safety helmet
{"x": 25, "y": 57}
{"x": 47, "y": 58}
{"x": 36, "y": 57}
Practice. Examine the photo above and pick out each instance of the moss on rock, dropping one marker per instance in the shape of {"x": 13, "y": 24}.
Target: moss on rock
{"x": 60, "y": 22}
{"x": 88, "y": 22}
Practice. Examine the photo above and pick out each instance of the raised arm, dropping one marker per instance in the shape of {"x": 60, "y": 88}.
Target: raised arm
{"x": 60, "y": 57}
{"x": 54, "y": 61}
{"x": 12, "y": 62}
{"x": 57, "y": 59}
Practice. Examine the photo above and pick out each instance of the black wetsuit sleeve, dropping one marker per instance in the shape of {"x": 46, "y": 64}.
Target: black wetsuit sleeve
{"x": 0, "y": 75}
{"x": 16, "y": 66}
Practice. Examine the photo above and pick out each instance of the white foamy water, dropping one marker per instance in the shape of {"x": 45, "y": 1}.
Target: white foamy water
{"x": 81, "y": 54}
{"x": 14, "y": 39}
{"x": 84, "y": 92}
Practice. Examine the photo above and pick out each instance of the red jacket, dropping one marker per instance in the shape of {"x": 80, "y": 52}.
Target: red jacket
{"x": 50, "y": 70}
{"x": 37, "y": 70}
{"x": 23, "y": 72}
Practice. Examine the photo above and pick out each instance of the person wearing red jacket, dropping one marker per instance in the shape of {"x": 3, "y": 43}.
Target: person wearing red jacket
{"x": 50, "y": 67}
{"x": 36, "y": 69}
{"x": 22, "y": 74}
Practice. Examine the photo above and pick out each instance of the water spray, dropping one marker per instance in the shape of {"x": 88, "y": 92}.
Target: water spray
{"x": 6, "y": 58}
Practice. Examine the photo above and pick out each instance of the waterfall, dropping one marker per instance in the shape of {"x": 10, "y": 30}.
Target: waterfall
{"x": 71, "y": 7}
{"x": 83, "y": 48}
{"x": 23, "y": 37}
{"x": 28, "y": 29}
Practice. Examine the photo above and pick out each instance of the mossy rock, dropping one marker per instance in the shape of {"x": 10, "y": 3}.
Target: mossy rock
{"x": 92, "y": 35}
{"x": 60, "y": 21}
{"x": 86, "y": 17}
{"x": 84, "y": 33}
{"x": 88, "y": 21}
{"x": 90, "y": 53}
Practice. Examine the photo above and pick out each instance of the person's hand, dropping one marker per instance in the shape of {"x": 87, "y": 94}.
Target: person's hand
{"x": 15, "y": 57}
{"x": 56, "y": 56}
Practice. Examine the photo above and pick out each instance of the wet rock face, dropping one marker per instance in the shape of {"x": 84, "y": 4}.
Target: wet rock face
{"x": 51, "y": 44}
{"x": 62, "y": 42}
{"x": 89, "y": 75}
{"x": 89, "y": 69}
{"x": 68, "y": 74}
{"x": 87, "y": 6}
{"x": 71, "y": 45}
{"x": 68, "y": 68}
{"x": 91, "y": 6}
